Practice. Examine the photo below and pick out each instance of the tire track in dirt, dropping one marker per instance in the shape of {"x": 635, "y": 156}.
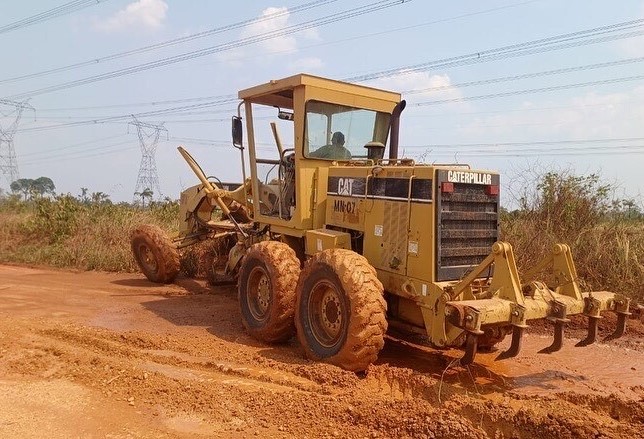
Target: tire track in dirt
{"x": 179, "y": 365}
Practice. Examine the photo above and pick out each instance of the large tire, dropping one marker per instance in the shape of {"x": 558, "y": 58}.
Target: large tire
{"x": 266, "y": 291}
{"x": 155, "y": 254}
{"x": 340, "y": 313}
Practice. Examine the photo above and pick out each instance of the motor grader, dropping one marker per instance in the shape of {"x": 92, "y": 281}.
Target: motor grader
{"x": 334, "y": 237}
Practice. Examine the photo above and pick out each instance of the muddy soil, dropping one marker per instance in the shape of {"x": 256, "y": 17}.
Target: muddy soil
{"x": 112, "y": 355}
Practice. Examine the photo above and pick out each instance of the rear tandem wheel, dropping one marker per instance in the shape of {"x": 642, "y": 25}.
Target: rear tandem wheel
{"x": 340, "y": 310}
{"x": 267, "y": 280}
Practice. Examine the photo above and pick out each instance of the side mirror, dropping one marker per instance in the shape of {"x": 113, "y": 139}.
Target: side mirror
{"x": 238, "y": 132}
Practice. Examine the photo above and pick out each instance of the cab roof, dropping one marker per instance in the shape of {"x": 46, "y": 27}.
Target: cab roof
{"x": 277, "y": 90}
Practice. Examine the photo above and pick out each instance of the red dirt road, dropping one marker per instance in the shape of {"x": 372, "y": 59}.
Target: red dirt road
{"x": 112, "y": 355}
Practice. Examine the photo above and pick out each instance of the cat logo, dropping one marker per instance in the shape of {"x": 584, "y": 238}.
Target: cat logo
{"x": 345, "y": 186}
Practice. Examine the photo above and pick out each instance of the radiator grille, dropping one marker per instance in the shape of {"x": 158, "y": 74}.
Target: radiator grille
{"x": 468, "y": 225}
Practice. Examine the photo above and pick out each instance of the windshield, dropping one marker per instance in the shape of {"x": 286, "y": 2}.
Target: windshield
{"x": 338, "y": 132}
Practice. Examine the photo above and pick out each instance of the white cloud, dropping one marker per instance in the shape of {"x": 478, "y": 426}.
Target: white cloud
{"x": 273, "y": 20}
{"x": 591, "y": 115}
{"x": 420, "y": 86}
{"x": 284, "y": 43}
{"x": 148, "y": 14}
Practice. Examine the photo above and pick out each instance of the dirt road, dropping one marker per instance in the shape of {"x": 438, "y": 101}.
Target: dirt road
{"x": 92, "y": 355}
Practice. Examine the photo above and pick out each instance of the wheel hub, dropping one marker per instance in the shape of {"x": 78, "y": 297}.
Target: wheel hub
{"x": 263, "y": 294}
{"x": 259, "y": 293}
{"x": 326, "y": 308}
{"x": 148, "y": 258}
{"x": 330, "y": 312}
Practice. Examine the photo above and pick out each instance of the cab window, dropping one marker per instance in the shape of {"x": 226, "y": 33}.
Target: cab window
{"x": 339, "y": 132}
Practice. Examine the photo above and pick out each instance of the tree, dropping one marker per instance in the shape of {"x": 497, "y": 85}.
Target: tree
{"x": 145, "y": 193}
{"x": 83, "y": 195}
{"x": 23, "y": 185}
{"x": 101, "y": 198}
{"x": 43, "y": 185}
{"x": 30, "y": 187}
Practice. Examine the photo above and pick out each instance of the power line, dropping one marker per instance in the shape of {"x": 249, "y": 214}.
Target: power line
{"x": 540, "y": 142}
{"x": 58, "y": 11}
{"x": 333, "y": 18}
{"x": 56, "y": 151}
{"x": 172, "y": 42}
{"x": 556, "y": 42}
{"x": 625, "y": 150}
{"x": 77, "y": 154}
{"x": 530, "y": 91}
{"x": 231, "y": 97}
{"x": 585, "y": 67}
{"x": 77, "y": 157}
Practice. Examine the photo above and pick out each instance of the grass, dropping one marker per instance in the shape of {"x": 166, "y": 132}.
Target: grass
{"x": 65, "y": 232}
{"x": 606, "y": 235}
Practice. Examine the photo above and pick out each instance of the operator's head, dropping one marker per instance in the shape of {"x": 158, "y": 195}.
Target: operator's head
{"x": 338, "y": 138}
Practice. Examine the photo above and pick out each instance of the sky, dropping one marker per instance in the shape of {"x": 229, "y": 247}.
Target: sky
{"x": 577, "y": 108}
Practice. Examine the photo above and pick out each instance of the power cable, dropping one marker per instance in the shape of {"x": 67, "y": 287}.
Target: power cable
{"x": 541, "y": 142}
{"x": 585, "y": 67}
{"x": 530, "y": 91}
{"x": 58, "y": 11}
{"x": 76, "y": 145}
{"x": 333, "y": 18}
{"x": 172, "y": 42}
{"x": 556, "y": 42}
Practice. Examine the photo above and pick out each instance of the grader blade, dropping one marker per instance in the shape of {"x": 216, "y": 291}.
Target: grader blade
{"x": 510, "y": 302}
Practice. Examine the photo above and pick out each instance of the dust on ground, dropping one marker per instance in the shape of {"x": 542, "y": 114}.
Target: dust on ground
{"x": 112, "y": 355}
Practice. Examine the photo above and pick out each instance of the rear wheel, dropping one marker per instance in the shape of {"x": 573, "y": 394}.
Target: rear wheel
{"x": 267, "y": 280}
{"x": 155, "y": 254}
{"x": 340, "y": 310}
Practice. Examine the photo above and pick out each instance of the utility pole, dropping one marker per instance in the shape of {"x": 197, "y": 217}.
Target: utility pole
{"x": 148, "y": 178}
{"x": 8, "y": 161}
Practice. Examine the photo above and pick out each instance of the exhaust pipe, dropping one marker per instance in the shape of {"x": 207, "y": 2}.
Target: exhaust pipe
{"x": 395, "y": 129}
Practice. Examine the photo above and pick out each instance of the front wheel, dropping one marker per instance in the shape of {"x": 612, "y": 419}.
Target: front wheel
{"x": 340, "y": 311}
{"x": 155, "y": 254}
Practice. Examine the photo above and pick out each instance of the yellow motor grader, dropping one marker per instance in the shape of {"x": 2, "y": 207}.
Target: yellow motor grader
{"x": 333, "y": 237}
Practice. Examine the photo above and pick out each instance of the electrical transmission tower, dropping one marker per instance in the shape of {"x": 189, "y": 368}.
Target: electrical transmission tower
{"x": 8, "y": 161}
{"x": 148, "y": 179}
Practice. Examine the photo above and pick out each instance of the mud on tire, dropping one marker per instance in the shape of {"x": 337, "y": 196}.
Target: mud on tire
{"x": 266, "y": 291}
{"x": 155, "y": 254}
{"x": 340, "y": 310}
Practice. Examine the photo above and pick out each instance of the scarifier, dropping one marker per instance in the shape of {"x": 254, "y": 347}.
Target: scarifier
{"x": 333, "y": 241}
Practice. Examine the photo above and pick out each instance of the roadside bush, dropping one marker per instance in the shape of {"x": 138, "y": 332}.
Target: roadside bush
{"x": 65, "y": 232}
{"x": 606, "y": 235}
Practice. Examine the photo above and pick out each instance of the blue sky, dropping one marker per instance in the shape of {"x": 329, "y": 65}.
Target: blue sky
{"x": 519, "y": 134}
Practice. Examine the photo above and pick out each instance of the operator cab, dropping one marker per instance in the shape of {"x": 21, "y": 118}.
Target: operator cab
{"x": 319, "y": 123}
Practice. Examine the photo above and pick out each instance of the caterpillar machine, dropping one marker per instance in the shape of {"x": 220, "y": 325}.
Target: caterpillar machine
{"x": 337, "y": 237}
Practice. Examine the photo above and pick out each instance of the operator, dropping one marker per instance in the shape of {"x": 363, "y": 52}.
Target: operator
{"x": 334, "y": 151}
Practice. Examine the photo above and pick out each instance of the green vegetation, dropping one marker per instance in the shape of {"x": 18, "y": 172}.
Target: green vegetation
{"x": 606, "y": 235}
{"x": 89, "y": 232}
